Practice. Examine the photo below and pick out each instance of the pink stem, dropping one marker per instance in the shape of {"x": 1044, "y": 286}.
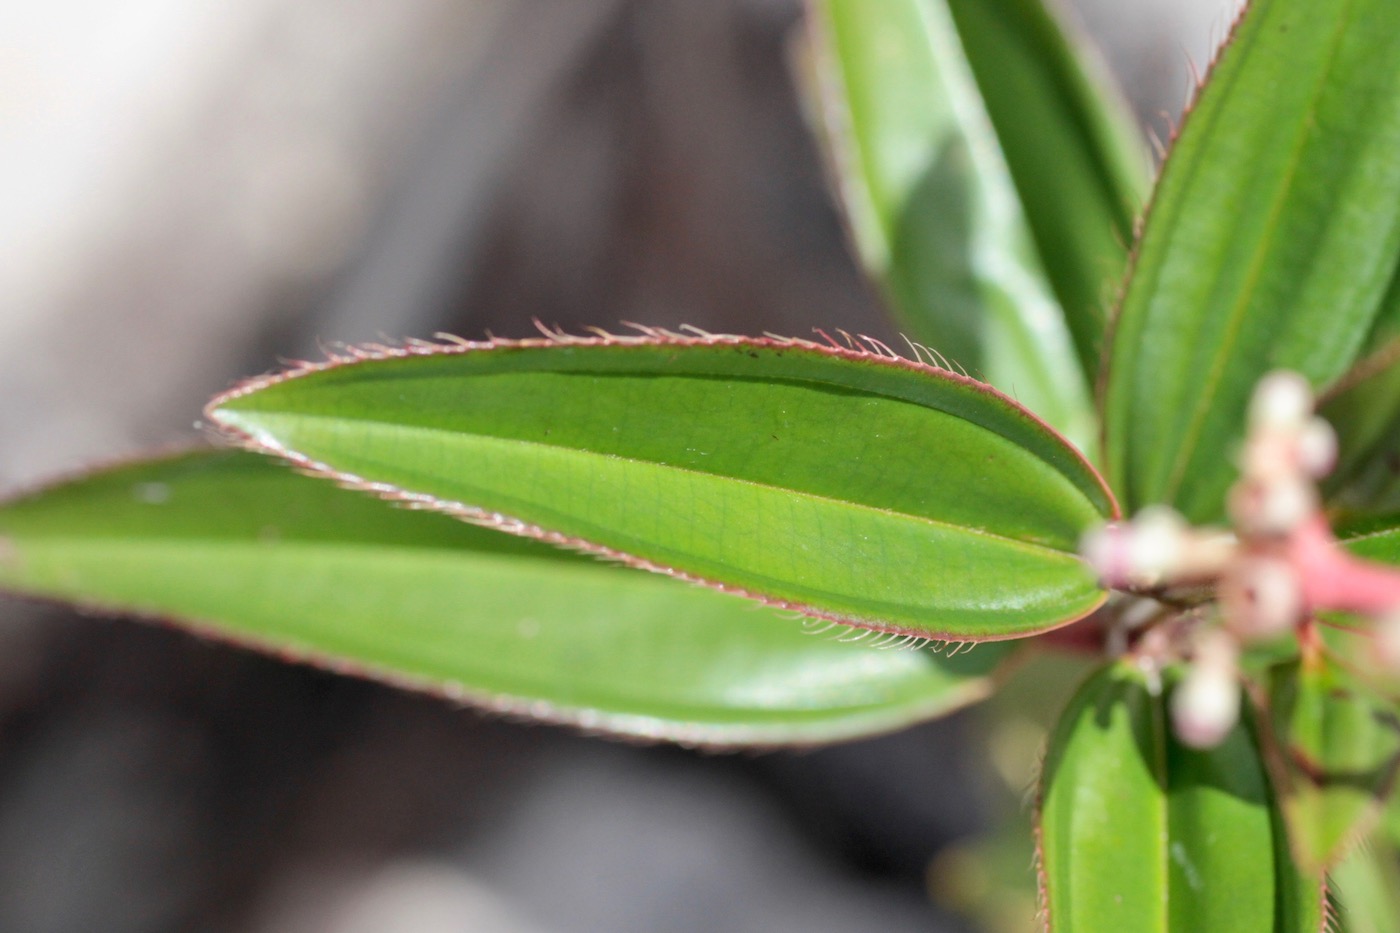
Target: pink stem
{"x": 1333, "y": 579}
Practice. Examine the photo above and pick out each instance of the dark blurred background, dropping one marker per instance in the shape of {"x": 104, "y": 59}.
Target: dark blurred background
{"x": 191, "y": 190}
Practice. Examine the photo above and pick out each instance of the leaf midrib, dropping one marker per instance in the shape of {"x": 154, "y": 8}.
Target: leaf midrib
{"x": 440, "y": 504}
{"x": 1235, "y": 320}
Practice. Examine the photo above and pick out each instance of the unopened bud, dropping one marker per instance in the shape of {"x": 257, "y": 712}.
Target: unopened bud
{"x": 1156, "y": 543}
{"x": 1205, "y": 707}
{"x": 1106, "y": 550}
{"x": 1260, "y": 598}
{"x": 1206, "y": 704}
{"x": 1273, "y": 507}
{"x": 1282, "y": 400}
{"x": 1317, "y": 448}
{"x": 1143, "y": 552}
{"x": 1387, "y": 639}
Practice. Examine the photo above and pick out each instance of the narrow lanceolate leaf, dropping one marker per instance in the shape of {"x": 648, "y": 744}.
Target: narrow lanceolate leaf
{"x": 1271, "y": 243}
{"x": 1335, "y": 755}
{"x": 1138, "y": 832}
{"x": 845, "y": 485}
{"x": 931, "y": 204}
{"x": 1074, "y": 152}
{"x": 237, "y": 546}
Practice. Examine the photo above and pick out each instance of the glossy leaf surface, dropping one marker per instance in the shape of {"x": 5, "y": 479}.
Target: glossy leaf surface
{"x": 1336, "y": 755}
{"x": 1074, "y": 151}
{"x": 846, "y": 485}
{"x": 1271, "y": 243}
{"x": 932, "y": 205}
{"x": 242, "y": 548}
{"x": 1141, "y": 833}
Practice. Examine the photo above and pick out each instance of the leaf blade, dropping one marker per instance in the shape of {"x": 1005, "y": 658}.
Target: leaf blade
{"x": 1270, "y": 244}
{"x": 845, "y": 485}
{"x": 930, "y": 203}
{"x": 249, "y": 551}
{"x": 1073, "y": 150}
{"x": 1336, "y": 756}
{"x": 1138, "y": 832}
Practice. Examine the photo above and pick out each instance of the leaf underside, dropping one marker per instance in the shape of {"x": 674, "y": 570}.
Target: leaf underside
{"x": 239, "y": 547}
{"x": 930, "y": 202}
{"x": 846, "y": 485}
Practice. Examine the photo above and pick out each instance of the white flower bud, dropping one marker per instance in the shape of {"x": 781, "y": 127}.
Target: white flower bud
{"x": 1106, "y": 550}
{"x": 1156, "y": 541}
{"x": 1275, "y": 506}
{"x": 1317, "y": 448}
{"x": 1282, "y": 400}
{"x": 1205, "y": 706}
{"x": 1387, "y": 639}
{"x": 1260, "y": 598}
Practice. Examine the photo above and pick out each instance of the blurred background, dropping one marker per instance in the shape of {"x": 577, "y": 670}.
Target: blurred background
{"x": 193, "y": 189}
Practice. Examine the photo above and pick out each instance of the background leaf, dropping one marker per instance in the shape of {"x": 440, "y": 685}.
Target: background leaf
{"x": 1367, "y": 883}
{"x": 1073, "y": 149}
{"x": 1364, "y": 407}
{"x": 1336, "y": 755}
{"x": 847, "y": 485}
{"x": 243, "y": 548}
{"x": 1141, "y": 833}
{"x": 931, "y": 204}
{"x": 1271, "y": 243}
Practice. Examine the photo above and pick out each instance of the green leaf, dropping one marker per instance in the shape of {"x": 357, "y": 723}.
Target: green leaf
{"x": 931, "y": 204}
{"x": 1336, "y": 756}
{"x": 1373, "y": 537}
{"x": 845, "y": 485}
{"x": 1364, "y": 407}
{"x": 1141, "y": 833}
{"x": 1367, "y": 883}
{"x": 1074, "y": 152}
{"x": 1271, "y": 243}
{"x": 242, "y": 548}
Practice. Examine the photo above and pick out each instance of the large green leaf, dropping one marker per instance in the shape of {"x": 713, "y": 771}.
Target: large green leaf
{"x": 846, "y": 485}
{"x": 931, "y": 204}
{"x": 1074, "y": 152}
{"x": 1271, "y": 242}
{"x": 1141, "y": 833}
{"x": 242, "y": 548}
{"x": 1336, "y": 755}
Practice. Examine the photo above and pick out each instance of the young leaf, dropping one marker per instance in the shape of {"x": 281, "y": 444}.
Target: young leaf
{"x": 1073, "y": 149}
{"x": 1138, "y": 832}
{"x": 1336, "y": 756}
{"x": 847, "y": 485}
{"x": 1271, "y": 242}
{"x": 931, "y": 204}
{"x": 244, "y": 549}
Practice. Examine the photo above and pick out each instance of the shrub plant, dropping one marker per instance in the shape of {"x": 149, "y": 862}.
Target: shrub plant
{"x": 1100, "y": 438}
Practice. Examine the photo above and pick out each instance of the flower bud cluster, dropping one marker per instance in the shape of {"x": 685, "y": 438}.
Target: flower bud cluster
{"x": 1277, "y": 566}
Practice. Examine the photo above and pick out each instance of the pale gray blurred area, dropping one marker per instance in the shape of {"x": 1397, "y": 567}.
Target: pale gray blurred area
{"x": 191, "y": 190}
